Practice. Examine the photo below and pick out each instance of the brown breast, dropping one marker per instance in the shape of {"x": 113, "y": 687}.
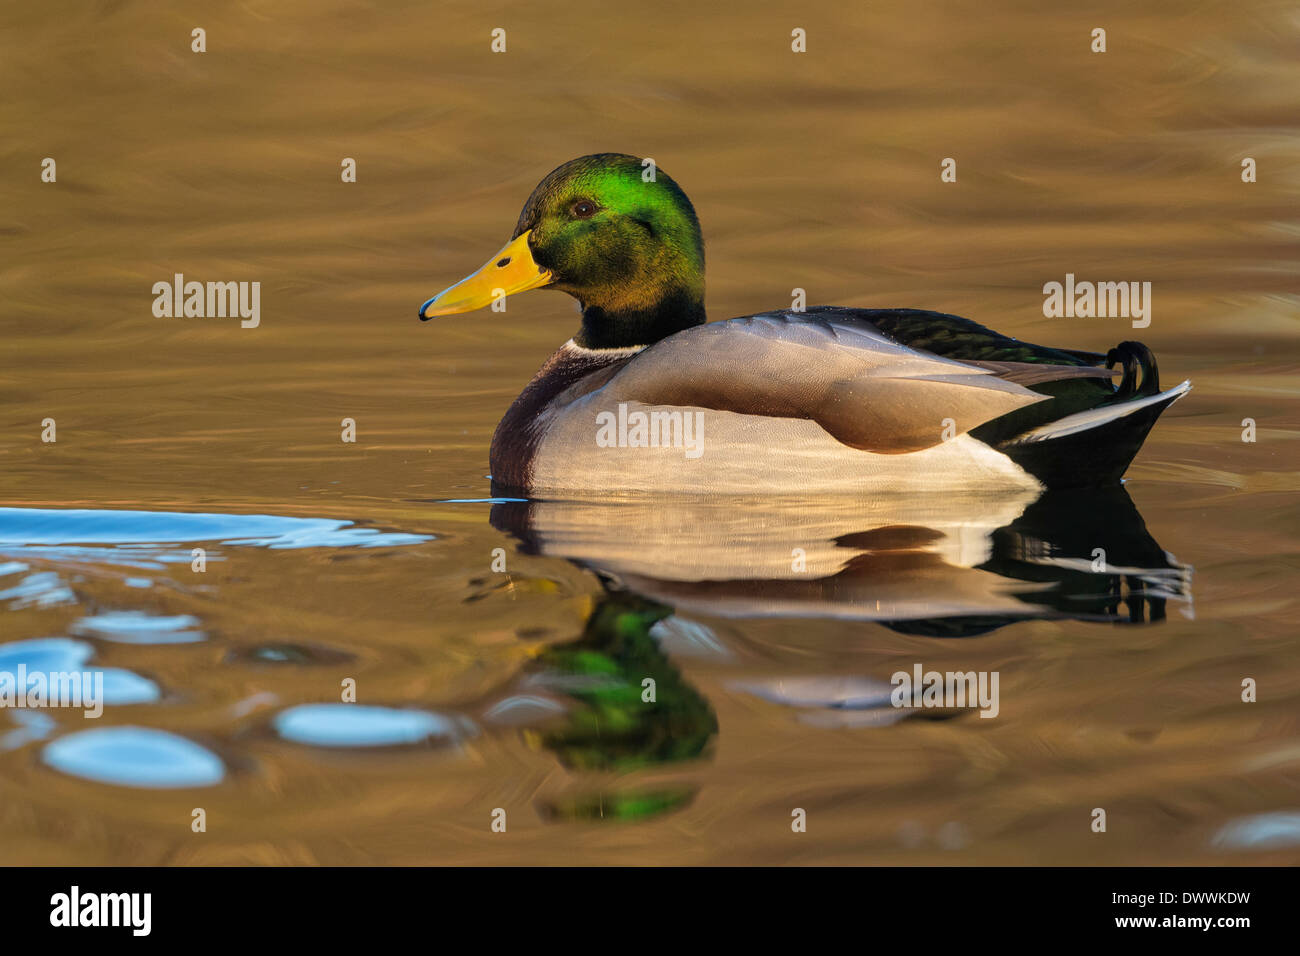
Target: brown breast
{"x": 567, "y": 375}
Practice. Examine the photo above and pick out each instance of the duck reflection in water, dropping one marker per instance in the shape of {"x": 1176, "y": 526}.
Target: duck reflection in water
{"x": 951, "y": 566}
{"x": 939, "y": 567}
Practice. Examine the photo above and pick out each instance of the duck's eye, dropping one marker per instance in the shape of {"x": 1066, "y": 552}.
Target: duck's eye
{"x": 583, "y": 209}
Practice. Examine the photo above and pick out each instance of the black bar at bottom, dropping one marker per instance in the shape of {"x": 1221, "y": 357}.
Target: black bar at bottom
{"x": 563, "y": 906}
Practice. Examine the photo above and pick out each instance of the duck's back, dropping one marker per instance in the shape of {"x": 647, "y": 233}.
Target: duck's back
{"x": 827, "y": 400}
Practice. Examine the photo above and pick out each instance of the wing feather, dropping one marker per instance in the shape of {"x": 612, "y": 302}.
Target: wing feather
{"x": 868, "y": 391}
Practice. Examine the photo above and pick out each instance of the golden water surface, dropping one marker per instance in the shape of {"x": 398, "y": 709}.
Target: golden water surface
{"x": 816, "y": 170}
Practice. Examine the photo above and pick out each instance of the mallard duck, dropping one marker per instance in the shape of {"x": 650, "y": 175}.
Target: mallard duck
{"x": 649, "y": 397}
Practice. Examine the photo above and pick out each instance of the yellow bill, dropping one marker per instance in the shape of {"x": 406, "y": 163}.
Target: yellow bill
{"x": 511, "y": 270}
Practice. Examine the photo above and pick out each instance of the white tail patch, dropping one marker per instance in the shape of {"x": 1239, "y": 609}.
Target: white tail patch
{"x": 1082, "y": 421}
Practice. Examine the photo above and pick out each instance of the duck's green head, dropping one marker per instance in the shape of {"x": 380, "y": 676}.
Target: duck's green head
{"x": 615, "y": 233}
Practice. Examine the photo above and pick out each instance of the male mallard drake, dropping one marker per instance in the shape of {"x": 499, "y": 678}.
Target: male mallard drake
{"x": 648, "y": 397}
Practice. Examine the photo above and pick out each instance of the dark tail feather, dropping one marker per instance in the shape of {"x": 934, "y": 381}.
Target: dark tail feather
{"x": 1141, "y": 376}
{"x": 1095, "y": 447}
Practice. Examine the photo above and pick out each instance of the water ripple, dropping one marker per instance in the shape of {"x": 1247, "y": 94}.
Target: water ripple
{"x": 352, "y": 725}
{"x": 135, "y": 757}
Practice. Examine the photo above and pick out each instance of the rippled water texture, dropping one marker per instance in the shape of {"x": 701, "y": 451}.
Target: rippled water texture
{"x": 328, "y": 566}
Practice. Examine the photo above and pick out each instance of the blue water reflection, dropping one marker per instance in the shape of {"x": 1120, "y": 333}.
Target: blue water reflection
{"x": 62, "y": 655}
{"x": 352, "y": 725}
{"x": 135, "y": 757}
{"x": 65, "y": 533}
{"x": 139, "y": 627}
